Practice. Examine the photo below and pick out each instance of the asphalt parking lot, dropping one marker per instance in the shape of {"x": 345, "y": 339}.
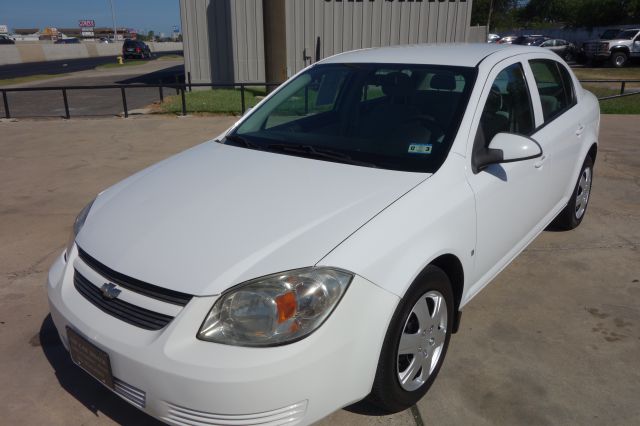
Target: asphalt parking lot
{"x": 555, "y": 339}
{"x": 102, "y": 102}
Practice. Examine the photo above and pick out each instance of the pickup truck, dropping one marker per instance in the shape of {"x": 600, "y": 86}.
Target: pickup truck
{"x": 619, "y": 50}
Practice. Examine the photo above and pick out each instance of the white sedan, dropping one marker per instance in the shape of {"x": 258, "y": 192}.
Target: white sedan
{"x": 319, "y": 253}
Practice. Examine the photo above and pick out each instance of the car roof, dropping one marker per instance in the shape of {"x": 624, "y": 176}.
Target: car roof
{"x": 456, "y": 54}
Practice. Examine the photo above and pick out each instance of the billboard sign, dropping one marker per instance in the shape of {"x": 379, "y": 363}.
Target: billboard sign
{"x": 4, "y": 29}
{"x": 86, "y": 23}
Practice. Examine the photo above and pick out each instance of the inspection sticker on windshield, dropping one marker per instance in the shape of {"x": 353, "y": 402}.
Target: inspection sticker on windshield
{"x": 420, "y": 148}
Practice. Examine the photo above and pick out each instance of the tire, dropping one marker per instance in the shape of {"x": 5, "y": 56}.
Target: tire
{"x": 432, "y": 335}
{"x": 619, "y": 59}
{"x": 568, "y": 57}
{"x": 572, "y": 215}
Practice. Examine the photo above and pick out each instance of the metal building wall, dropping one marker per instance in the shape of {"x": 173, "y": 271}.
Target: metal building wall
{"x": 347, "y": 25}
{"x": 223, "y": 40}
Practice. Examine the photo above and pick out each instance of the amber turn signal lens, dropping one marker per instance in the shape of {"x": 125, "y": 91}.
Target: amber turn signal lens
{"x": 287, "y": 305}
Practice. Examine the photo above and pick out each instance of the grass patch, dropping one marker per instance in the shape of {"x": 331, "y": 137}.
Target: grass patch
{"x": 627, "y": 105}
{"x": 217, "y": 101}
{"x": 27, "y": 79}
{"x": 127, "y": 63}
{"x": 601, "y": 73}
{"x": 169, "y": 57}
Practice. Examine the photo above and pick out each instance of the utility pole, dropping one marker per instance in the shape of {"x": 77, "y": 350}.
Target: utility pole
{"x": 489, "y": 17}
{"x": 113, "y": 17}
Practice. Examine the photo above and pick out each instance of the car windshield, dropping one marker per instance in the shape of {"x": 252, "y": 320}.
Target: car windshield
{"x": 392, "y": 116}
{"x": 627, "y": 35}
{"x": 609, "y": 34}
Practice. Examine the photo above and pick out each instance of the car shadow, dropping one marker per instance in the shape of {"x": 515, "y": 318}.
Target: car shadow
{"x": 85, "y": 388}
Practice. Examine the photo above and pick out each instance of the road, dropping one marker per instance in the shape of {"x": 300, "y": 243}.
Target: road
{"x": 95, "y": 102}
{"x": 60, "y": 67}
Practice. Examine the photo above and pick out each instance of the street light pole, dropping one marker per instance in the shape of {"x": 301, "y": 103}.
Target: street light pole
{"x": 113, "y": 17}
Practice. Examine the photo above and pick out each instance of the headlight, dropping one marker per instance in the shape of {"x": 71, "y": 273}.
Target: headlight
{"x": 276, "y": 309}
{"x": 77, "y": 226}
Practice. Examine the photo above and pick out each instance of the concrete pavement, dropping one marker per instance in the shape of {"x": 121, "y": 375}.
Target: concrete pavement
{"x": 555, "y": 339}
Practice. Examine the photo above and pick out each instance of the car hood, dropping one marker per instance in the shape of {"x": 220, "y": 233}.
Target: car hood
{"x": 217, "y": 215}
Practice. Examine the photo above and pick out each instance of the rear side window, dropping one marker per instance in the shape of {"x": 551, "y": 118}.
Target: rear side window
{"x": 555, "y": 86}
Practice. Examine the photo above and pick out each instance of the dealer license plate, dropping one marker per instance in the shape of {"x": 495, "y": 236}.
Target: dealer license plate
{"x": 91, "y": 359}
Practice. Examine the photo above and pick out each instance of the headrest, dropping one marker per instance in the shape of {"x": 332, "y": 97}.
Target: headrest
{"x": 397, "y": 84}
{"x": 443, "y": 81}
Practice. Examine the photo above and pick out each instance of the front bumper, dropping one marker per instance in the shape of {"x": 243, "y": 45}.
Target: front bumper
{"x": 173, "y": 376}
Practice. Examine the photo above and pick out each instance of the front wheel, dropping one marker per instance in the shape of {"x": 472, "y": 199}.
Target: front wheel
{"x": 572, "y": 215}
{"x": 415, "y": 344}
{"x": 619, "y": 59}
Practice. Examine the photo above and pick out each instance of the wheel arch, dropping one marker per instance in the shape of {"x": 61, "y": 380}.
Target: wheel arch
{"x": 452, "y": 266}
{"x": 619, "y": 48}
{"x": 593, "y": 151}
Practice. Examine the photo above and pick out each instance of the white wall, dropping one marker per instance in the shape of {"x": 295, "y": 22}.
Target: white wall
{"x": 22, "y": 53}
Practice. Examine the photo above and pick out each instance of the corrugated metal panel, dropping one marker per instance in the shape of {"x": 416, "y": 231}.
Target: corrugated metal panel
{"x": 347, "y": 25}
{"x": 224, "y": 39}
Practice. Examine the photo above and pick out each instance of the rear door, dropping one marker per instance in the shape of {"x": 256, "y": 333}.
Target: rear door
{"x": 561, "y": 128}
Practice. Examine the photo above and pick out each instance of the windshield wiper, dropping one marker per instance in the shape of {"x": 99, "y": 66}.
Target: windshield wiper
{"x": 310, "y": 150}
{"x": 237, "y": 139}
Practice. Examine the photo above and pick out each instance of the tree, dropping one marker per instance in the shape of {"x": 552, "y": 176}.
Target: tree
{"x": 503, "y": 13}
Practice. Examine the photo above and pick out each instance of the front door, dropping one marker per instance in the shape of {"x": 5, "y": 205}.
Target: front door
{"x": 511, "y": 198}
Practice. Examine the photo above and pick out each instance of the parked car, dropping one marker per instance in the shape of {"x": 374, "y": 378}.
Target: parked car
{"x": 135, "y": 49}
{"x": 528, "y": 40}
{"x": 105, "y": 40}
{"x": 618, "y": 51}
{"x": 70, "y": 40}
{"x": 563, "y": 48}
{"x": 507, "y": 39}
{"x": 5, "y": 39}
{"x": 321, "y": 251}
{"x": 493, "y": 38}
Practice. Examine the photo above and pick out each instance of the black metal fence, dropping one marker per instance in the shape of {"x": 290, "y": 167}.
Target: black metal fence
{"x": 182, "y": 88}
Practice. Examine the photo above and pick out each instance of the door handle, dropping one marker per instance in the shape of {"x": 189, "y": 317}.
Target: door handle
{"x": 538, "y": 164}
{"x": 579, "y": 130}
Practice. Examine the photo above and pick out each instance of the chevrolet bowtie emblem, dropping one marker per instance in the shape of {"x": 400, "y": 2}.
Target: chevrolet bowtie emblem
{"x": 110, "y": 291}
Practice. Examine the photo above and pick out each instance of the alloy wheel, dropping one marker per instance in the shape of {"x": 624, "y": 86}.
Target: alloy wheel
{"x": 584, "y": 189}
{"x": 422, "y": 340}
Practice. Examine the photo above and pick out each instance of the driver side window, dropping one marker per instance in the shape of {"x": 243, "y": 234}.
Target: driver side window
{"x": 508, "y": 108}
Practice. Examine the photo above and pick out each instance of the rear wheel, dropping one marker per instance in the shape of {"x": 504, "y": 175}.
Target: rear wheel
{"x": 415, "y": 344}
{"x": 572, "y": 215}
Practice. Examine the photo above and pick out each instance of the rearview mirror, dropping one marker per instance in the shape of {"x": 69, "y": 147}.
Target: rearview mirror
{"x": 507, "y": 148}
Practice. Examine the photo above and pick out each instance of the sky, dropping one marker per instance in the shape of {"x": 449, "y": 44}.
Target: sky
{"x": 143, "y": 15}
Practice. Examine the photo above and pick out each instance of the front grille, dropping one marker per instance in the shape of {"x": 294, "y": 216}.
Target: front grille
{"x": 289, "y": 416}
{"x": 149, "y": 290}
{"x": 120, "y": 309}
{"x": 132, "y": 394}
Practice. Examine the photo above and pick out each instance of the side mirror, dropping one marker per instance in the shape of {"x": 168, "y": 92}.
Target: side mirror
{"x": 508, "y": 148}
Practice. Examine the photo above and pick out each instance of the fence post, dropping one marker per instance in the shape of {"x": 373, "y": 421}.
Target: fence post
{"x": 622, "y": 85}
{"x": 242, "y": 98}
{"x": 124, "y": 103}
{"x": 189, "y": 79}
{"x": 161, "y": 94}
{"x": 6, "y": 104}
{"x": 66, "y": 104}
{"x": 184, "y": 102}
